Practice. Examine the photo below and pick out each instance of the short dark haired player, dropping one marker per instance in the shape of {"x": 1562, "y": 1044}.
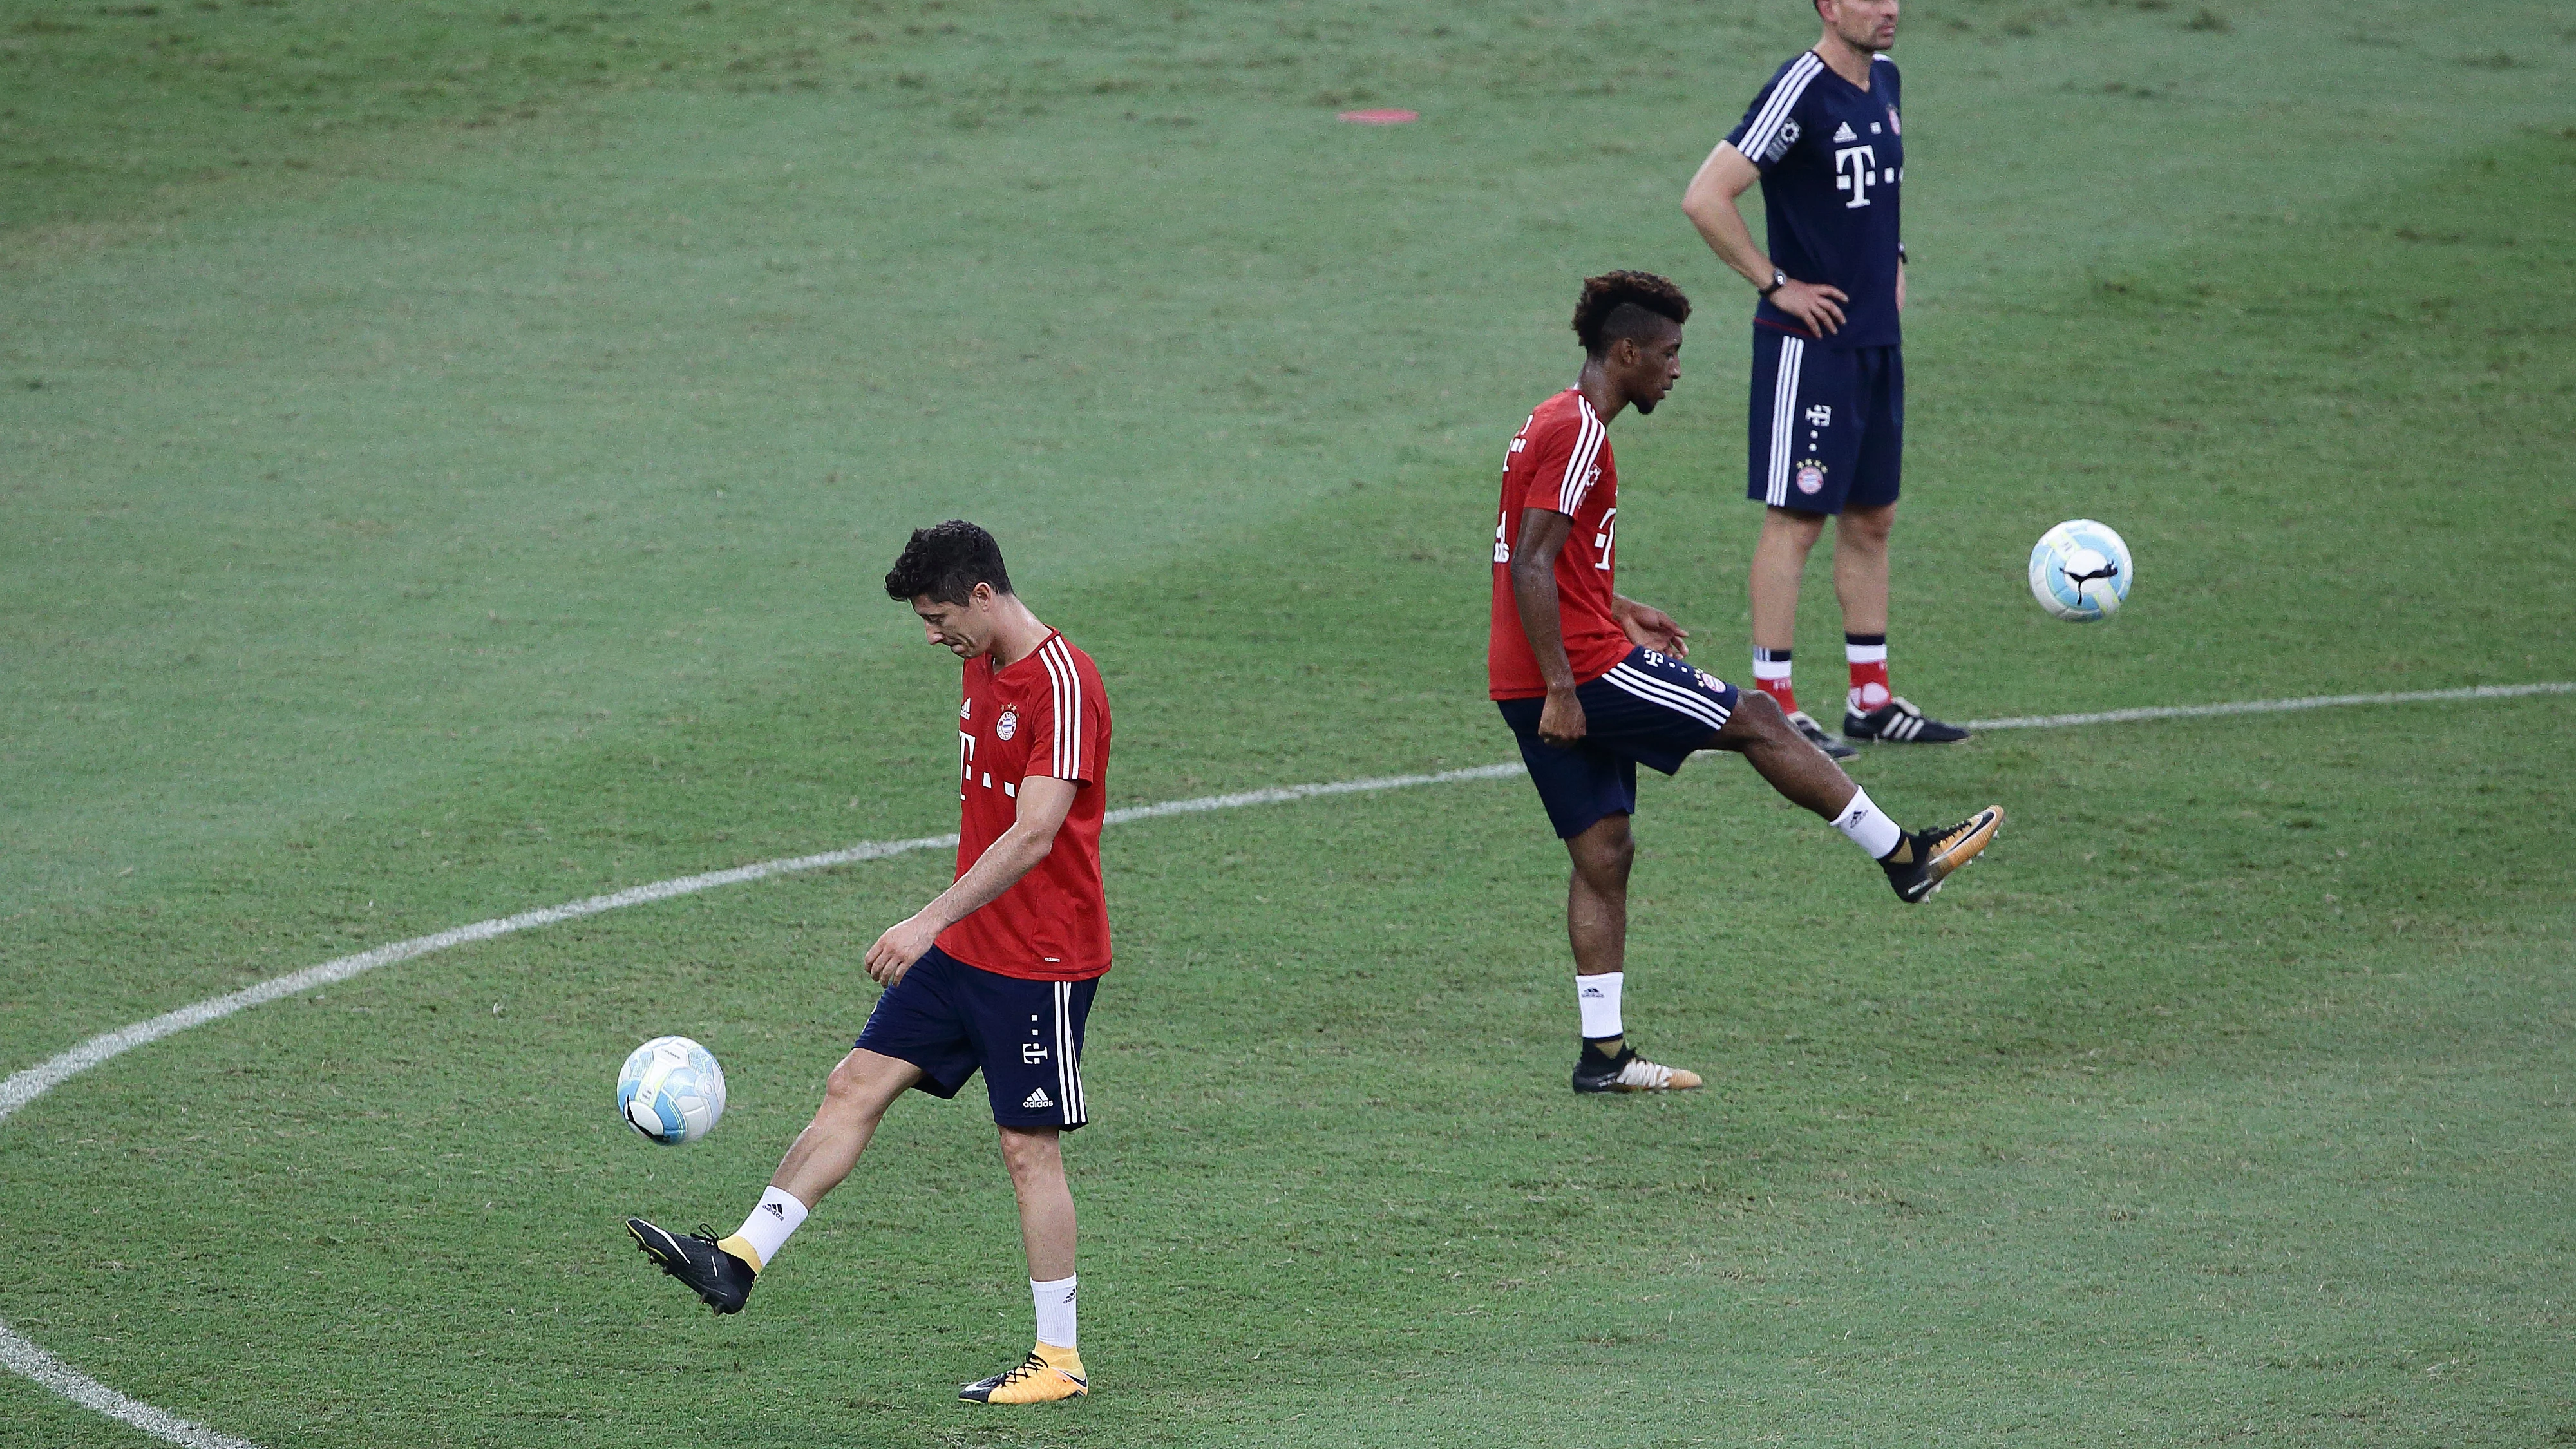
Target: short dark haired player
{"x": 1593, "y": 683}
{"x": 995, "y": 974}
{"x": 1826, "y": 435}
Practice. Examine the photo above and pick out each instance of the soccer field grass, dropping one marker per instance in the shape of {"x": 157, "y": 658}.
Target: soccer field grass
{"x": 447, "y": 456}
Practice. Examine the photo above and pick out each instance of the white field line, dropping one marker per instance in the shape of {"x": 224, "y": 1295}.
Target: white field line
{"x": 25, "y": 1358}
{"x": 2267, "y": 706}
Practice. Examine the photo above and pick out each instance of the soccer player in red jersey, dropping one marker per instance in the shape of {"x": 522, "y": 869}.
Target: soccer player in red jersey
{"x": 995, "y": 974}
{"x": 1593, "y": 683}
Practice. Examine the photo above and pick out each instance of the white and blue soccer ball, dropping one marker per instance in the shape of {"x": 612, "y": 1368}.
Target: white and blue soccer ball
{"x": 671, "y": 1090}
{"x": 2080, "y": 571}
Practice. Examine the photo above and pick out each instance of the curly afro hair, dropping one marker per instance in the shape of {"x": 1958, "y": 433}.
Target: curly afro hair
{"x": 946, "y": 562}
{"x": 1626, "y": 304}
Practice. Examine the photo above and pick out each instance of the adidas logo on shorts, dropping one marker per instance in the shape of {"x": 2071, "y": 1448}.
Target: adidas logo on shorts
{"x": 1038, "y": 1098}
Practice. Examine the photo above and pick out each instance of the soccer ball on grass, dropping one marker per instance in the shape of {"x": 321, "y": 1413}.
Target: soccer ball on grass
{"x": 671, "y": 1090}
{"x": 2080, "y": 571}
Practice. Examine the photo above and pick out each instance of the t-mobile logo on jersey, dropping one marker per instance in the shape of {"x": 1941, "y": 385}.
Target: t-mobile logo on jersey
{"x": 1855, "y": 171}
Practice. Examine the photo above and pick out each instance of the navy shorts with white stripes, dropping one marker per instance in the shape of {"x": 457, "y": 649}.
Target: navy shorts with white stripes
{"x": 1650, "y": 709}
{"x": 949, "y": 1018}
{"x": 1828, "y": 424}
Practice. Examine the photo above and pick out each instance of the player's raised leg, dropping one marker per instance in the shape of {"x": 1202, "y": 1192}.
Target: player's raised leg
{"x": 1053, "y": 1368}
{"x": 721, "y": 1270}
{"x": 1916, "y": 862}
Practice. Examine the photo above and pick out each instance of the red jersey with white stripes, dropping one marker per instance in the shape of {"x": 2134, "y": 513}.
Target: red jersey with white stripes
{"x": 1046, "y": 715}
{"x": 1559, "y": 462}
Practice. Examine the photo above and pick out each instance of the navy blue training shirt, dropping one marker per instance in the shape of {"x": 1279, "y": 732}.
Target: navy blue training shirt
{"x": 1831, "y": 155}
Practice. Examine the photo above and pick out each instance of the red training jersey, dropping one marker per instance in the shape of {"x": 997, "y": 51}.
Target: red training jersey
{"x": 1560, "y": 462}
{"x": 1046, "y": 715}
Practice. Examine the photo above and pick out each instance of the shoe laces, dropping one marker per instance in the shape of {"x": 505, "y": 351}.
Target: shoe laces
{"x": 1640, "y": 1072}
{"x": 706, "y": 1234}
{"x": 1027, "y": 1368}
{"x": 1955, "y": 833}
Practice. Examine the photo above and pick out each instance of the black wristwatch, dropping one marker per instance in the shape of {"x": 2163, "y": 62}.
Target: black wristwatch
{"x": 1779, "y": 279}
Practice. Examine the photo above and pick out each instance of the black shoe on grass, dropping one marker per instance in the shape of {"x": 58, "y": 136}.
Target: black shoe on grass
{"x": 1627, "y": 1072}
{"x": 1814, "y": 734}
{"x": 1931, "y": 855}
{"x": 717, "y": 1276}
{"x": 1898, "y": 722}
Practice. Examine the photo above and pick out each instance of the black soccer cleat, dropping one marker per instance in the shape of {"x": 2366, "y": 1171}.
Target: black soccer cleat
{"x": 717, "y": 1276}
{"x": 1627, "y": 1072}
{"x": 1937, "y": 853}
{"x": 1899, "y": 722}
{"x": 1814, "y": 734}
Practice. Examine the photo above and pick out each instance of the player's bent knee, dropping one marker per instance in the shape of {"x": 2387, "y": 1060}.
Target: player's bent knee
{"x": 1757, "y": 717}
{"x": 1031, "y": 1149}
{"x": 865, "y": 1081}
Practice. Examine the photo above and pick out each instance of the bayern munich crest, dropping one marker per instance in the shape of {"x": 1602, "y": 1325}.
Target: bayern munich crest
{"x": 1008, "y": 725}
{"x": 1811, "y": 476}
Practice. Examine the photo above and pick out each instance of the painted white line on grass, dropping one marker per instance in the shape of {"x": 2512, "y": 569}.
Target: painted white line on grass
{"x": 2267, "y": 706}
{"x": 25, "y": 1358}
{"x": 22, "y": 1357}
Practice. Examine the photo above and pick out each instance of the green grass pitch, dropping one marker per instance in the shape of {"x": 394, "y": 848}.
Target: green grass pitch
{"x": 447, "y": 452}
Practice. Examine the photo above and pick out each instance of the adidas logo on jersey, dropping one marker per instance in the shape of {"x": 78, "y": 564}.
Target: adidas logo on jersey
{"x": 1038, "y": 1098}
{"x": 1843, "y": 132}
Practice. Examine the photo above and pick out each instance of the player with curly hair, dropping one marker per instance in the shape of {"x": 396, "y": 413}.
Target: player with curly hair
{"x": 1593, "y": 683}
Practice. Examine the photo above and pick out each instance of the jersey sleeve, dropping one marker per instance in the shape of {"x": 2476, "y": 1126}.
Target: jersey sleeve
{"x": 1562, "y": 459}
{"x": 1070, "y": 734}
{"x": 1770, "y": 125}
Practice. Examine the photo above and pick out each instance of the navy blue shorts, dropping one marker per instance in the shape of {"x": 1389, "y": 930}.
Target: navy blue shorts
{"x": 949, "y": 1018}
{"x": 1650, "y": 709}
{"x": 1827, "y": 426}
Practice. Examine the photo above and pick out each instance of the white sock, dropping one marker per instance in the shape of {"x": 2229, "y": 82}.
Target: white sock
{"x": 1597, "y": 997}
{"x": 1055, "y": 1310}
{"x": 767, "y": 1228}
{"x": 1868, "y": 826}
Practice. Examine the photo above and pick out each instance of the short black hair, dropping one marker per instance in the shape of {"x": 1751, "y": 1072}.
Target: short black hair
{"x": 946, "y": 561}
{"x": 1625, "y": 304}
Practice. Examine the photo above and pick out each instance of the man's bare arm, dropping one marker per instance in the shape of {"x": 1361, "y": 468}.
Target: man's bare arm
{"x": 1542, "y": 537}
{"x": 1710, "y": 204}
{"x": 1044, "y": 802}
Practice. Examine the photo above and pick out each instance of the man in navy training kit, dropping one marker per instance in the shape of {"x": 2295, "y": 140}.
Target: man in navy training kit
{"x": 1593, "y": 683}
{"x": 1826, "y": 432}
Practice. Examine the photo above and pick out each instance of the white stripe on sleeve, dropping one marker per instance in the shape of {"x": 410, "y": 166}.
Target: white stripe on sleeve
{"x": 1065, "y": 760}
{"x": 1774, "y": 114}
{"x": 1578, "y": 464}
